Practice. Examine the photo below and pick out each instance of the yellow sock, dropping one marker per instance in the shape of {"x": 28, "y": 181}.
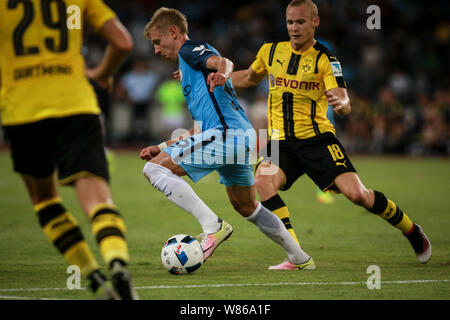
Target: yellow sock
{"x": 109, "y": 229}
{"x": 284, "y": 215}
{"x": 396, "y": 217}
{"x": 277, "y": 206}
{"x": 63, "y": 231}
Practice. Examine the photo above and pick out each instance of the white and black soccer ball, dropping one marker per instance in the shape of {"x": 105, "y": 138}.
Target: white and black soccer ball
{"x": 182, "y": 254}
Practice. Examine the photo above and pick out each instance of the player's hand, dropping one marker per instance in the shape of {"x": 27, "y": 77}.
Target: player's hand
{"x": 105, "y": 82}
{"x": 215, "y": 79}
{"x": 338, "y": 106}
{"x": 149, "y": 153}
{"x": 177, "y": 75}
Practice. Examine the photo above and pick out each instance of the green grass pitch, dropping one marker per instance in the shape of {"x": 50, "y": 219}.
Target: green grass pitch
{"x": 343, "y": 239}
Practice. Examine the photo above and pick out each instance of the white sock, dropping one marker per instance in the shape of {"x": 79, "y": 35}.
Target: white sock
{"x": 271, "y": 226}
{"x": 180, "y": 192}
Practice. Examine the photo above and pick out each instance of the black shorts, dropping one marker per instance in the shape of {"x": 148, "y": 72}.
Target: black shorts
{"x": 322, "y": 158}
{"x": 72, "y": 145}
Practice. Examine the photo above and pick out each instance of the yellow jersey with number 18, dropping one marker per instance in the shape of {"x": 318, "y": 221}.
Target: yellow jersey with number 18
{"x": 42, "y": 69}
{"x": 297, "y": 105}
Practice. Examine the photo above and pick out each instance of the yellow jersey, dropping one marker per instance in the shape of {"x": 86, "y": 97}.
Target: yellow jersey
{"x": 297, "y": 105}
{"x": 42, "y": 69}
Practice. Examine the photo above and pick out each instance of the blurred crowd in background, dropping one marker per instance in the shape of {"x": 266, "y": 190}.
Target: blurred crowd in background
{"x": 397, "y": 76}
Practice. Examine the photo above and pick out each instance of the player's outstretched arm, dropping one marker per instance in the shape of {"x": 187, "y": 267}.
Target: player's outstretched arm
{"x": 224, "y": 69}
{"x": 339, "y": 100}
{"x": 246, "y": 78}
{"x": 119, "y": 46}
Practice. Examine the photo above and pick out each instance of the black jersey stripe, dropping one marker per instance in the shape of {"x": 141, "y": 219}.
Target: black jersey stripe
{"x": 316, "y": 69}
{"x": 294, "y": 62}
{"x": 341, "y": 83}
{"x": 272, "y": 52}
{"x": 288, "y": 115}
{"x": 322, "y": 49}
{"x": 270, "y": 114}
{"x": 313, "y": 116}
{"x": 216, "y": 105}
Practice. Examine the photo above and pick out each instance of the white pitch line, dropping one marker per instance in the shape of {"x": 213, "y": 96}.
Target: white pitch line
{"x": 28, "y": 298}
{"x": 342, "y": 283}
{"x": 38, "y": 289}
{"x": 17, "y": 298}
{"x": 221, "y": 285}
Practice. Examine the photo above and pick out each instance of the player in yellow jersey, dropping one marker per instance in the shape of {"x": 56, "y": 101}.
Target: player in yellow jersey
{"x": 303, "y": 79}
{"x": 51, "y": 119}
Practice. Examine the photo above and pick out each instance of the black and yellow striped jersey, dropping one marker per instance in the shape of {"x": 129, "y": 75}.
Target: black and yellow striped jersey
{"x": 297, "y": 105}
{"x": 42, "y": 69}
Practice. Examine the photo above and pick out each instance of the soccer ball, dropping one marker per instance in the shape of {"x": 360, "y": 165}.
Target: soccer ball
{"x": 182, "y": 254}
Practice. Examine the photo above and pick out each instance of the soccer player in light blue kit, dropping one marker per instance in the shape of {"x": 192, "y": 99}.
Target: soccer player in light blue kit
{"x": 222, "y": 141}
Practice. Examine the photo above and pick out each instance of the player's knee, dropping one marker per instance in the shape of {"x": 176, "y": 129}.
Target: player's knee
{"x": 358, "y": 196}
{"x": 155, "y": 173}
{"x": 244, "y": 208}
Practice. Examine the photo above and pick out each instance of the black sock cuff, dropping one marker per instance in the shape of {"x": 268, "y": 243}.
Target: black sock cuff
{"x": 50, "y": 212}
{"x": 274, "y": 203}
{"x": 119, "y": 261}
{"x": 93, "y": 278}
{"x": 380, "y": 204}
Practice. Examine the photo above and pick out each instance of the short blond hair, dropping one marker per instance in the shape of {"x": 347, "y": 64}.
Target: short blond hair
{"x": 310, "y": 3}
{"x": 163, "y": 18}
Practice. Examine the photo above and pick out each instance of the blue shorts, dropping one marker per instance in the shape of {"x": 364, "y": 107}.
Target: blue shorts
{"x": 210, "y": 151}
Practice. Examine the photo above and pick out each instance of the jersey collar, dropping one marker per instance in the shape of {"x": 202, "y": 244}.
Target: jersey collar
{"x": 302, "y": 52}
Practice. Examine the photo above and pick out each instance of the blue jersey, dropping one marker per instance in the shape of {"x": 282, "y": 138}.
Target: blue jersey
{"x": 219, "y": 109}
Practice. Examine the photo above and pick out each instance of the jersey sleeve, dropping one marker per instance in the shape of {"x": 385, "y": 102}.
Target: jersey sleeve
{"x": 196, "y": 54}
{"x": 260, "y": 63}
{"x": 332, "y": 72}
{"x": 97, "y": 13}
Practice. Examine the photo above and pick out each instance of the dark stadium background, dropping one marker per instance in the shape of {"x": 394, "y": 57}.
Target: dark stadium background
{"x": 397, "y": 76}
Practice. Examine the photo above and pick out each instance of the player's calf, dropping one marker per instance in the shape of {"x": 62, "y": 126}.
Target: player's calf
{"x": 278, "y": 207}
{"x": 389, "y": 211}
{"x": 180, "y": 192}
{"x": 63, "y": 231}
{"x": 269, "y": 224}
{"x": 109, "y": 229}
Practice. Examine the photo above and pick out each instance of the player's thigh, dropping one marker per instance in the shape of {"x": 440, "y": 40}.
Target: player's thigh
{"x": 196, "y": 156}
{"x": 281, "y": 169}
{"x": 80, "y": 149}
{"x": 236, "y": 175}
{"x": 269, "y": 176}
{"x": 325, "y": 159}
{"x": 34, "y": 157}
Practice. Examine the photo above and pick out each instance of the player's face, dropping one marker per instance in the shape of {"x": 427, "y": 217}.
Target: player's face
{"x": 301, "y": 26}
{"x": 163, "y": 43}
